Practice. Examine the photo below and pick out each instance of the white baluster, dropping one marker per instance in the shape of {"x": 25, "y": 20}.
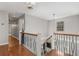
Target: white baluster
{"x": 38, "y": 45}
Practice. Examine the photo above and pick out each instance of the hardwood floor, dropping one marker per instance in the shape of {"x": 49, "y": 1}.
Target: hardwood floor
{"x": 13, "y": 41}
{"x": 14, "y": 49}
{"x": 56, "y": 53}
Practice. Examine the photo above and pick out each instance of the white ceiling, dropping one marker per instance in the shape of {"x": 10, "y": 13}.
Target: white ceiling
{"x": 43, "y": 10}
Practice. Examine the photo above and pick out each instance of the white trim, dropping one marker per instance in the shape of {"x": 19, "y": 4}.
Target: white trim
{"x": 14, "y": 36}
{"x": 4, "y": 44}
{"x": 7, "y": 42}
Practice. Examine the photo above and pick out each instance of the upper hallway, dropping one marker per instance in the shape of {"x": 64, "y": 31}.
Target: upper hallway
{"x": 42, "y": 18}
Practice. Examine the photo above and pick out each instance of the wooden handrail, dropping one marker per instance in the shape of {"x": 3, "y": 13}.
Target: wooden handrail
{"x": 69, "y": 34}
{"x": 49, "y": 37}
{"x": 29, "y": 33}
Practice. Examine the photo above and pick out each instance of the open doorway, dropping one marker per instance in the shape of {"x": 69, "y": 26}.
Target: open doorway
{"x": 16, "y": 26}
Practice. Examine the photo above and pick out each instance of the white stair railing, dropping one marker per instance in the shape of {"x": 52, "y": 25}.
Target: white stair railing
{"x": 45, "y": 45}
{"x": 67, "y": 43}
{"x": 32, "y": 42}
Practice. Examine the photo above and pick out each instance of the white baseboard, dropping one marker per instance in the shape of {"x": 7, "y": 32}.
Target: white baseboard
{"x": 4, "y": 44}
{"x": 14, "y": 37}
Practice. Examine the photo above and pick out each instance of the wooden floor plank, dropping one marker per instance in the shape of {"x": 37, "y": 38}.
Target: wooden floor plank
{"x": 14, "y": 49}
{"x": 56, "y": 53}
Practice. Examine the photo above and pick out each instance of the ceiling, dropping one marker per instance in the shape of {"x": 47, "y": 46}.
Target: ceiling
{"x": 44, "y": 10}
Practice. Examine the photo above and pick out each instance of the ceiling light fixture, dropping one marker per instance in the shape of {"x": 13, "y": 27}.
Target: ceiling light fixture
{"x": 30, "y": 5}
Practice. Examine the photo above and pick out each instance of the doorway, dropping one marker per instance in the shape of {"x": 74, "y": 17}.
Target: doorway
{"x": 16, "y": 26}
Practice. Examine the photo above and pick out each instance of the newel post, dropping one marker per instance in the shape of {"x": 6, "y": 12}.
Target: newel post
{"x": 38, "y": 45}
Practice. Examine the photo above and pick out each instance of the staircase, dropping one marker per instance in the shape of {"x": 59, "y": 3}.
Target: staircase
{"x": 65, "y": 44}
{"x": 47, "y": 45}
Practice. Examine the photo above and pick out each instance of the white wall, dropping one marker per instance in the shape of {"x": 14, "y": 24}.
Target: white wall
{"x": 71, "y": 24}
{"x": 51, "y": 27}
{"x": 21, "y": 26}
{"x": 3, "y": 28}
{"x": 36, "y": 25}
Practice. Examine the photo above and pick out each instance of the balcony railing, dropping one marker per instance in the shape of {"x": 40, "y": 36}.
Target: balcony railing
{"x": 32, "y": 43}
{"x": 67, "y": 43}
